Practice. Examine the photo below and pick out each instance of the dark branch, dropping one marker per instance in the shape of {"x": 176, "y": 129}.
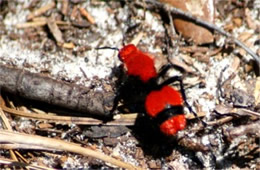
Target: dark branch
{"x": 41, "y": 88}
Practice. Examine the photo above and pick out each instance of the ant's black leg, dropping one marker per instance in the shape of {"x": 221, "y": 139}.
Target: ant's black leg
{"x": 111, "y": 48}
{"x": 118, "y": 93}
{"x": 164, "y": 70}
{"x": 115, "y": 105}
{"x": 172, "y": 80}
{"x": 179, "y": 79}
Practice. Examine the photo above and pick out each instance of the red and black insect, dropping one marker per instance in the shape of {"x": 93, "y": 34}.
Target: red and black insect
{"x": 140, "y": 89}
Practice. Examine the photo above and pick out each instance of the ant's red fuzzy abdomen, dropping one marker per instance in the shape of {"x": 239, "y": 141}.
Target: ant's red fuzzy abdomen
{"x": 173, "y": 125}
{"x": 158, "y": 101}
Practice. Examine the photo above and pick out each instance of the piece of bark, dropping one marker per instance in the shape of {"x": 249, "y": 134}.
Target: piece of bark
{"x": 41, "y": 88}
{"x": 105, "y": 131}
{"x": 250, "y": 129}
{"x": 193, "y": 144}
{"x": 203, "y": 9}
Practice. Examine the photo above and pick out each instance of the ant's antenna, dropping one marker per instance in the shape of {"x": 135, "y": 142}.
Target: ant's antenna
{"x": 111, "y": 48}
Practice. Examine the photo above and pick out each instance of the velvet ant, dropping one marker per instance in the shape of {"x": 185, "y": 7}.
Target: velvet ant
{"x": 140, "y": 89}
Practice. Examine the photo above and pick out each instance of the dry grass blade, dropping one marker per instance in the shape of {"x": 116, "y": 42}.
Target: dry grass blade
{"x": 69, "y": 119}
{"x": 5, "y": 120}
{"x": 220, "y": 121}
{"x": 12, "y": 163}
{"x": 248, "y": 112}
{"x": 8, "y": 127}
{"x": 87, "y": 15}
{"x": 39, "y": 23}
{"x": 65, "y": 7}
{"x": 55, "y": 144}
{"x": 41, "y": 10}
{"x": 137, "y": 38}
{"x": 31, "y": 24}
{"x": 22, "y": 146}
{"x": 119, "y": 120}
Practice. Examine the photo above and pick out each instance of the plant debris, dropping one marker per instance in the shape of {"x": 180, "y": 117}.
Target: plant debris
{"x": 57, "y": 90}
